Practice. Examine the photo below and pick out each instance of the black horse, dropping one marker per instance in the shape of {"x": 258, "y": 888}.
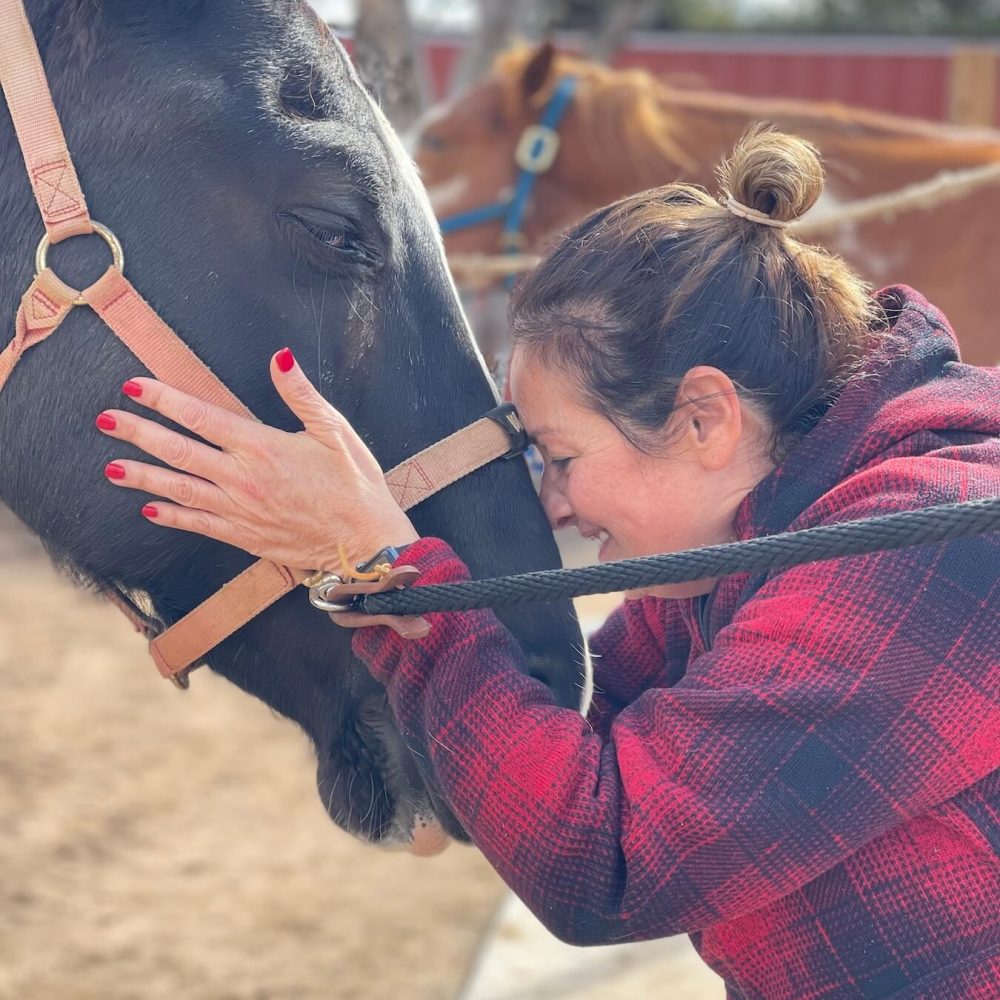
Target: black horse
{"x": 262, "y": 200}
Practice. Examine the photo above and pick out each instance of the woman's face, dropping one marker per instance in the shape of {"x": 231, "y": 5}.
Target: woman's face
{"x": 684, "y": 495}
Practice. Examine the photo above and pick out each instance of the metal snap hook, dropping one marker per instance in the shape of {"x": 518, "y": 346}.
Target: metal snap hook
{"x": 320, "y": 586}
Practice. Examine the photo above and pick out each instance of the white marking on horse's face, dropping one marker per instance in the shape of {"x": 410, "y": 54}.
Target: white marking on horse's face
{"x": 443, "y": 196}
{"x": 411, "y": 137}
{"x": 433, "y": 115}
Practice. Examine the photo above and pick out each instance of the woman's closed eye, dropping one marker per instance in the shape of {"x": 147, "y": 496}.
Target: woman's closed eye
{"x": 559, "y": 463}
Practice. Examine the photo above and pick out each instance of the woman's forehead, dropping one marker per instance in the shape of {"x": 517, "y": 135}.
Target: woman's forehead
{"x": 531, "y": 383}
{"x": 545, "y": 399}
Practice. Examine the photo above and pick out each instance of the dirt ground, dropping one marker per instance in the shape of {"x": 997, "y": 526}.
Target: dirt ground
{"x": 162, "y": 844}
{"x": 159, "y": 844}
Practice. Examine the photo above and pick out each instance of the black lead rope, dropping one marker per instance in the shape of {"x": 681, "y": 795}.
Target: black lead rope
{"x": 851, "y": 538}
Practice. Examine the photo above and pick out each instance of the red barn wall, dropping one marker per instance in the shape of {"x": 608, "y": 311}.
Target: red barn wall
{"x": 908, "y": 77}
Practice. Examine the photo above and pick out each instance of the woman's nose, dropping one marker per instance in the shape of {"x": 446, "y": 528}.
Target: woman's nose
{"x": 554, "y": 503}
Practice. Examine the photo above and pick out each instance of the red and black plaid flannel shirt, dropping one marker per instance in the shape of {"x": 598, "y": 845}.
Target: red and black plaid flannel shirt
{"x": 803, "y": 771}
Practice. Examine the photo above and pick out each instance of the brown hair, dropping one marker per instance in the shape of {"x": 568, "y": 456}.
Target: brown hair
{"x": 645, "y": 289}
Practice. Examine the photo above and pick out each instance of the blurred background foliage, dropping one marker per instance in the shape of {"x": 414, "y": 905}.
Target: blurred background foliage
{"x": 897, "y": 17}
{"x": 979, "y": 18}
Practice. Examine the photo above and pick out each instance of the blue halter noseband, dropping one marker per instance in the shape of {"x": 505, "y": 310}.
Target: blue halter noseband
{"x": 535, "y": 154}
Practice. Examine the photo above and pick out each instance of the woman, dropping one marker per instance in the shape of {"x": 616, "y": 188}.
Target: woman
{"x": 799, "y": 768}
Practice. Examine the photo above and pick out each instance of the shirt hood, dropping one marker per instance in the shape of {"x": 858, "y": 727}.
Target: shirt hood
{"x": 914, "y": 384}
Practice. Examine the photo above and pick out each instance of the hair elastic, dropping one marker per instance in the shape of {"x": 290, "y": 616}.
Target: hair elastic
{"x": 753, "y": 214}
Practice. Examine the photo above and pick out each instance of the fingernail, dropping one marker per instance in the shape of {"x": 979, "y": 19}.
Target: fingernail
{"x": 132, "y": 389}
{"x": 107, "y": 422}
{"x": 150, "y": 511}
{"x": 114, "y": 471}
{"x": 285, "y": 359}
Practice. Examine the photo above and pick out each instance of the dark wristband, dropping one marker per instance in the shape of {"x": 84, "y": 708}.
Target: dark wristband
{"x": 389, "y": 554}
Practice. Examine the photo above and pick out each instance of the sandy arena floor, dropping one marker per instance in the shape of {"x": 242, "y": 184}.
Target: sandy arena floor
{"x": 158, "y": 844}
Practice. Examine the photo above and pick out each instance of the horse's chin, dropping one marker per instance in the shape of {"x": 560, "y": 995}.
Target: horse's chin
{"x": 404, "y": 816}
{"x": 427, "y": 838}
{"x": 416, "y": 831}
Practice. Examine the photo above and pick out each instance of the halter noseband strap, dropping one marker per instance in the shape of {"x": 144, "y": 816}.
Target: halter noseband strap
{"x": 48, "y": 301}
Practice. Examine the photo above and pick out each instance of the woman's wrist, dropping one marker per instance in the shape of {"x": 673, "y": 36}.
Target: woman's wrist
{"x": 362, "y": 549}
{"x": 387, "y": 554}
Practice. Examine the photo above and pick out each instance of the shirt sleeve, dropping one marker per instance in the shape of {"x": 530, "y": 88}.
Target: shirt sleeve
{"x": 842, "y": 699}
{"x": 644, "y": 643}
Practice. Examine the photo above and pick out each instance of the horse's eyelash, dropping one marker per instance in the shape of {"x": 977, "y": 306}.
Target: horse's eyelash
{"x": 337, "y": 240}
{"x": 344, "y": 241}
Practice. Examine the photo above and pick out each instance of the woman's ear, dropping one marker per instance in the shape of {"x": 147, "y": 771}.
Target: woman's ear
{"x": 709, "y": 415}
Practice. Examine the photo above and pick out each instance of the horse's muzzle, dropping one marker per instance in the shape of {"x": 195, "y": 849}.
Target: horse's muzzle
{"x": 427, "y": 838}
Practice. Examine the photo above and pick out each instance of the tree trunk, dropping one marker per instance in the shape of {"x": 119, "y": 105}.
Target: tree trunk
{"x": 388, "y": 60}
{"x": 620, "y": 21}
{"x": 501, "y": 23}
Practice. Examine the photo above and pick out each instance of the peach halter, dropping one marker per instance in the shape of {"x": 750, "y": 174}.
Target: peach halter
{"x": 48, "y": 301}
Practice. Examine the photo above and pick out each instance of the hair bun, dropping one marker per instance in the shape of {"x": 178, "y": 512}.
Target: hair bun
{"x": 774, "y": 173}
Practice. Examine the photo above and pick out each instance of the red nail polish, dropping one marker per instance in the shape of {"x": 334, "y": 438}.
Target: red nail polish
{"x": 132, "y": 389}
{"x": 285, "y": 359}
{"x": 114, "y": 471}
{"x": 107, "y": 422}
{"x": 150, "y": 511}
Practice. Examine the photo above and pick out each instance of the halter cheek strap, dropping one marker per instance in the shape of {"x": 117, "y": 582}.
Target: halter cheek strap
{"x": 50, "y": 169}
{"x": 48, "y": 301}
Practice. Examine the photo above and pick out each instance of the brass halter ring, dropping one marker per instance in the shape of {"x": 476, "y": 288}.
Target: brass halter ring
{"x": 117, "y": 254}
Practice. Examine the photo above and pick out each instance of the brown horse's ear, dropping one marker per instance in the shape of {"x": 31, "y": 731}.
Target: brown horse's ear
{"x": 539, "y": 69}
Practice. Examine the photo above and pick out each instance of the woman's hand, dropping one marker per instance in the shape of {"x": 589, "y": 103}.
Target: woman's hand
{"x": 290, "y": 498}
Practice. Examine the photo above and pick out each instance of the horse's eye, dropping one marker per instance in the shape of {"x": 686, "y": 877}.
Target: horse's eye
{"x": 343, "y": 243}
{"x": 332, "y": 238}
{"x": 433, "y": 143}
{"x": 334, "y": 243}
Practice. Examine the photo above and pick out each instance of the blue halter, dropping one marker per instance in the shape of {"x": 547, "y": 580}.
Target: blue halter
{"x": 535, "y": 154}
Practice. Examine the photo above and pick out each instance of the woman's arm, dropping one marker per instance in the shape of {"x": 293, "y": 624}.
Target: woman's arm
{"x": 837, "y": 704}
{"x": 841, "y": 700}
{"x": 643, "y": 644}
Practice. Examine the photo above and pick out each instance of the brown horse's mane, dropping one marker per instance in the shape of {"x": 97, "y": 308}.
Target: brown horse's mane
{"x": 620, "y": 109}
{"x": 636, "y": 114}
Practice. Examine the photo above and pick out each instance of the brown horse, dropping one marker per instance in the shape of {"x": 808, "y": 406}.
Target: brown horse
{"x": 626, "y": 131}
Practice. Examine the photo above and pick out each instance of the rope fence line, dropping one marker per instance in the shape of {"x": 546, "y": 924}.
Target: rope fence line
{"x": 940, "y": 189}
{"x": 480, "y": 270}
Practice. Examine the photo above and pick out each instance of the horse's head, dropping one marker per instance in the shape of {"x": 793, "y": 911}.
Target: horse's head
{"x": 615, "y": 137}
{"x": 262, "y": 200}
